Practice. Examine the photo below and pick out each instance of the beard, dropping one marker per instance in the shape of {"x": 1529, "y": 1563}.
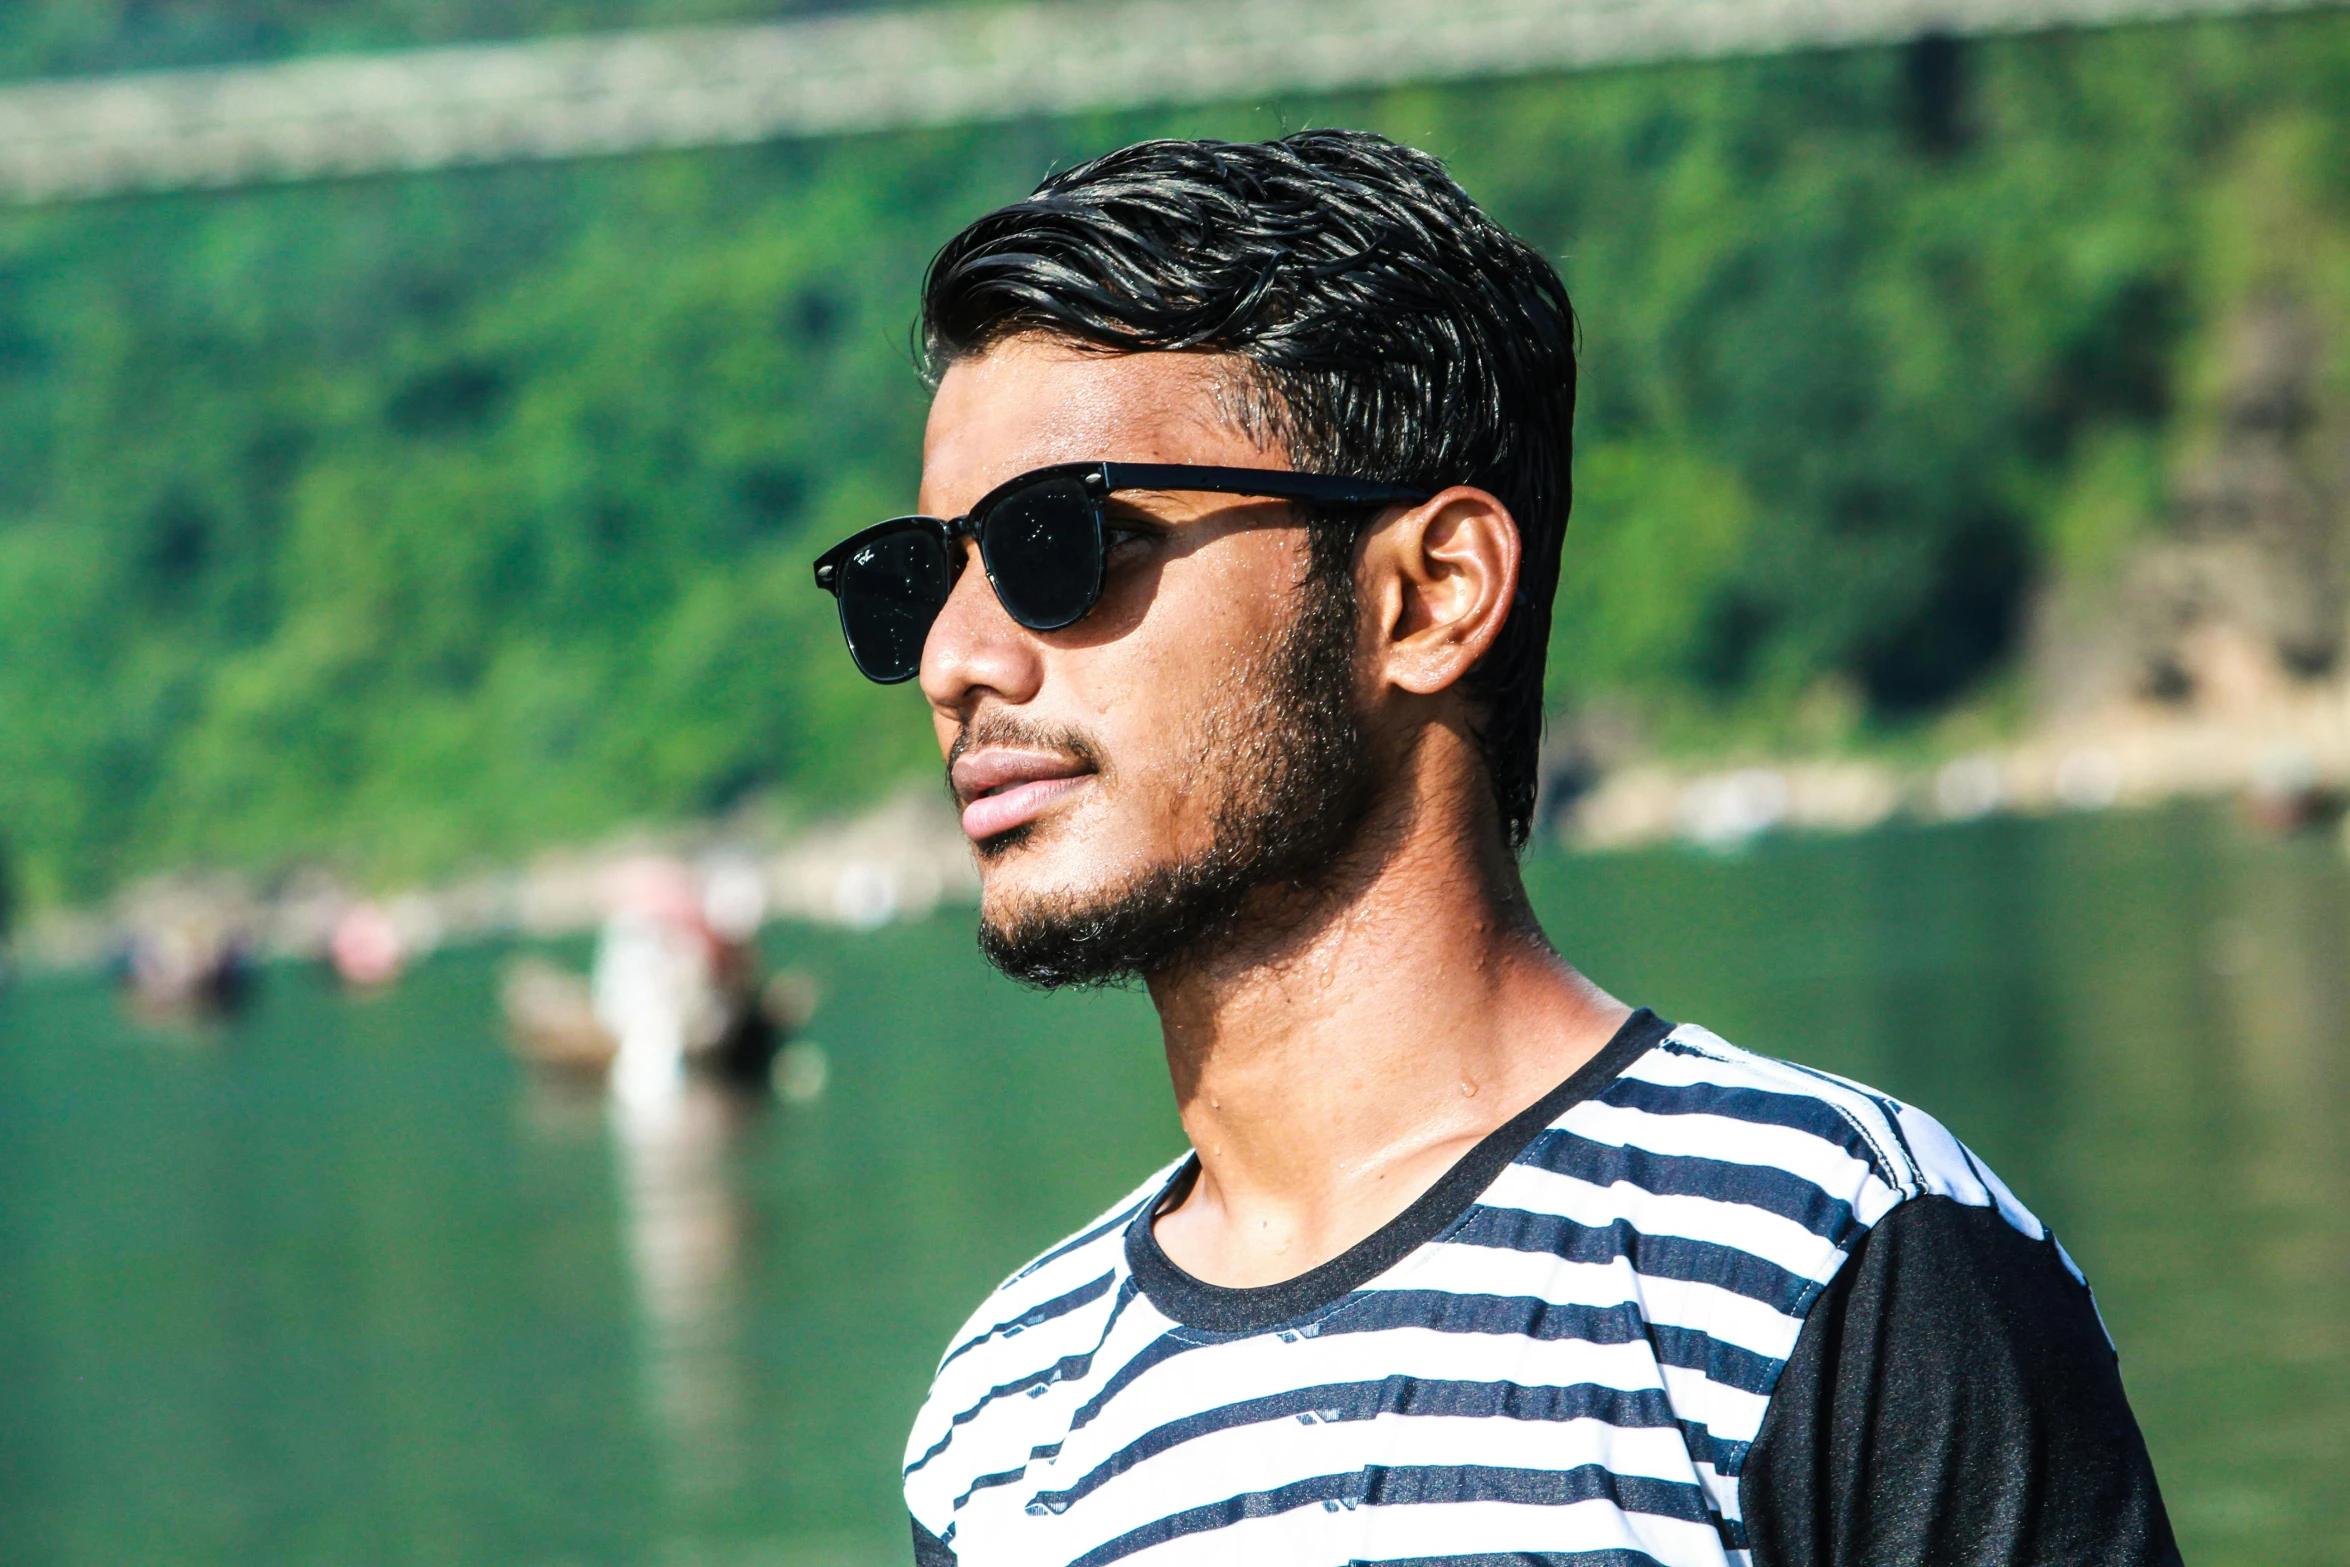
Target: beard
{"x": 1286, "y": 751}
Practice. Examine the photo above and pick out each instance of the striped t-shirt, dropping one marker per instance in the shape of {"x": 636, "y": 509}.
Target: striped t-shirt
{"x": 1568, "y": 1350}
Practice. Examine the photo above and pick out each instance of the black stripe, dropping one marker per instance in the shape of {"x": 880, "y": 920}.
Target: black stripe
{"x": 1917, "y": 1171}
{"x": 1658, "y": 1256}
{"x": 1036, "y": 1379}
{"x": 1764, "y": 1186}
{"x": 1549, "y": 1321}
{"x": 1333, "y": 1402}
{"x": 1507, "y": 1316}
{"x": 1758, "y": 1106}
{"x": 1158, "y": 1351}
{"x": 1543, "y": 1321}
{"x": 1516, "y": 1559}
{"x": 1036, "y": 1316}
{"x": 1375, "y": 1311}
{"x": 1380, "y": 1486}
{"x": 1515, "y": 1316}
{"x": 1982, "y": 1178}
{"x": 1909, "y": 1184}
{"x": 1732, "y": 1365}
{"x": 986, "y": 1482}
{"x": 1114, "y": 1221}
{"x": 1067, "y": 1369}
{"x": 1219, "y": 1309}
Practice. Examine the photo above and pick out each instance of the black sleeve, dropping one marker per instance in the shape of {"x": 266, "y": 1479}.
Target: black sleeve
{"x": 1952, "y": 1400}
{"x": 929, "y": 1549}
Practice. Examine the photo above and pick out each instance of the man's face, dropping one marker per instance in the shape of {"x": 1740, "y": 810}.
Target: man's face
{"x": 1128, "y": 780}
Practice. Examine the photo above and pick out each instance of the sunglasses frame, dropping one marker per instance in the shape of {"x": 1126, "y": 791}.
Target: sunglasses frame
{"x": 1100, "y": 481}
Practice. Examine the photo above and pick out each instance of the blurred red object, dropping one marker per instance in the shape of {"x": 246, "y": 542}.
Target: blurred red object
{"x": 366, "y": 948}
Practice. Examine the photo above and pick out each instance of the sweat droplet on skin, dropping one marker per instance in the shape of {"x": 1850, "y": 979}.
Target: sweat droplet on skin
{"x": 1468, "y": 1090}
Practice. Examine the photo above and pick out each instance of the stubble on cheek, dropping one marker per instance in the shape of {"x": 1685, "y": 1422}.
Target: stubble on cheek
{"x": 1237, "y": 769}
{"x": 1159, "y": 791}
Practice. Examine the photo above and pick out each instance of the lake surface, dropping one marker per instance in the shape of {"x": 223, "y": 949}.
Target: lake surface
{"x": 340, "y": 1284}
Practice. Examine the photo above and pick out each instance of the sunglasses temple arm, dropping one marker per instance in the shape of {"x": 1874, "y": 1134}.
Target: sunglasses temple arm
{"x": 1279, "y": 484}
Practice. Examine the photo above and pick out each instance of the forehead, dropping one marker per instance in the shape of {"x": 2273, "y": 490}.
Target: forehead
{"x": 1030, "y": 402}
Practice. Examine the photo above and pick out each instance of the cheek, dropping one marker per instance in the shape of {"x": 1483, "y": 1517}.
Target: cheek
{"x": 1174, "y": 691}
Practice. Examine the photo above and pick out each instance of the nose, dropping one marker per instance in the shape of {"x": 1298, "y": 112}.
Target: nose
{"x": 976, "y": 651}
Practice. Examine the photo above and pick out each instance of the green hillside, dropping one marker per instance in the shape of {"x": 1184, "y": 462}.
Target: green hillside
{"x": 403, "y": 522}
{"x": 73, "y": 37}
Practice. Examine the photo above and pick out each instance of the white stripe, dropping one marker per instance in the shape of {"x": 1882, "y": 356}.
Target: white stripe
{"x": 1313, "y": 1534}
{"x": 1715, "y": 1221}
{"x": 1275, "y": 1453}
{"x": 1003, "y": 1432}
{"x": 1200, "y": 1379}
{"x": 1000, "y": 1331}
{"x": 1266, "y": 1367}
{"x": 1950, "y": 1172}
{"x": 1704, "y": 1136}
{"x": 1723, "y": 1064}
{"x": 1937, "y": 1159}
{"x": 1724, "y": 1490}
{"x": 1723, "y": 1314}
{"x": 1036, "y": 1349}
{"x": 1729, "y": 1414}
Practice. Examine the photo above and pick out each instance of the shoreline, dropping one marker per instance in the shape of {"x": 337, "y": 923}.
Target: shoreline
{"x": 2284, "y": 752}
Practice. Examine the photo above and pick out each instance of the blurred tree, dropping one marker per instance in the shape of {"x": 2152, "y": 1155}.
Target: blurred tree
{"x": 61, "y": 37}
{"x": 405, "y": 521}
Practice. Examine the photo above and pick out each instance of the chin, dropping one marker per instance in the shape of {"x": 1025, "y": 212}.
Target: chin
{"x": 1024, "y": 881}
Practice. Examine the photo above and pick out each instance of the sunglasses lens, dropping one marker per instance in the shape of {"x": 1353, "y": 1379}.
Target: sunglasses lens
{"x": 1043, "y": 549}
{"x": 891, "y": 589}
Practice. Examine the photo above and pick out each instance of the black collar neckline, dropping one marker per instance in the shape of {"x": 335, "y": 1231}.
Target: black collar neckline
{"x": 1217, "y": 1308}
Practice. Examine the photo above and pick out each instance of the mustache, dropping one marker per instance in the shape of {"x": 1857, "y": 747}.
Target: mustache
{"x": 994, "y": 726}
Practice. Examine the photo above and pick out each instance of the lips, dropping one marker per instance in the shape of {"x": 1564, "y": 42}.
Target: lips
{"x": 1002, "y": 790}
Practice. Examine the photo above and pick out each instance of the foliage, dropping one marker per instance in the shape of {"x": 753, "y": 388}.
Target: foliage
{"x": 407, "y": 521}
{"x": 66, "y": 37}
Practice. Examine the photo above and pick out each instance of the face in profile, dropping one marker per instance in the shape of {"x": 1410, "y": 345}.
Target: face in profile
{"x": 1187, "y": 758}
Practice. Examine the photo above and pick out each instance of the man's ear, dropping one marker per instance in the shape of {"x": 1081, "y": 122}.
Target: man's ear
{"x": 1438, "y": 581}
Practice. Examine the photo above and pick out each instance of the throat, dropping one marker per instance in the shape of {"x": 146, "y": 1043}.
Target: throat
{"x": 1325, "y": 1094}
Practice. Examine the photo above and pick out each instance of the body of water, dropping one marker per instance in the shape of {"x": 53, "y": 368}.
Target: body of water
{"x": 340, "y": 1283}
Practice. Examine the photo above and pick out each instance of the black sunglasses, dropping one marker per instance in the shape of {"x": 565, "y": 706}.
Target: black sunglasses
{"x": 1041, "y": 539}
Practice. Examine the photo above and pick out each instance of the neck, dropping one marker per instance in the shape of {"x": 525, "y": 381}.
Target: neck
{"x": 1331, "y": 1065}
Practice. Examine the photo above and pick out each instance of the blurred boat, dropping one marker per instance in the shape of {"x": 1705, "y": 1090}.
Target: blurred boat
{"x": 185, "y": 950}
{"x": 674, "y": 991}
{"x": 184, "y": 972}
{"x": 2288, "y": 794}
{"x": 550, "y": 1020}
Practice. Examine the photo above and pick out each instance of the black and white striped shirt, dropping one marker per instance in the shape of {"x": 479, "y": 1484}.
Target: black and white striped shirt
{"x": 1572, "y": 1349}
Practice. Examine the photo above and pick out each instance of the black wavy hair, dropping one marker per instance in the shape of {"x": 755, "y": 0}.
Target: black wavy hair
{"x": 1394, "y": 332}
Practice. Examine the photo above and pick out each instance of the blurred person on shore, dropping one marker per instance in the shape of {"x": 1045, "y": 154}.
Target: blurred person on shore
{"x": 1244, "y": 489}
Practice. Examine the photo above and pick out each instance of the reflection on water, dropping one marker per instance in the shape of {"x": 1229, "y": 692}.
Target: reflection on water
{"x": 687, "y": 1229}
{"x": 348, "y": 1285}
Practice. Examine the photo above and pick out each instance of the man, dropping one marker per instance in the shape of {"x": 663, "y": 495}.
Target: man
{"x": 1261, "y": 453}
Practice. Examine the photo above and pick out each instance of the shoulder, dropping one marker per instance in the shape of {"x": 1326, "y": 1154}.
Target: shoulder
{"x": 1033, "y": 1329}
{"x": 1072, "y": 1273}
{"x": 1740, "y": 1117}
